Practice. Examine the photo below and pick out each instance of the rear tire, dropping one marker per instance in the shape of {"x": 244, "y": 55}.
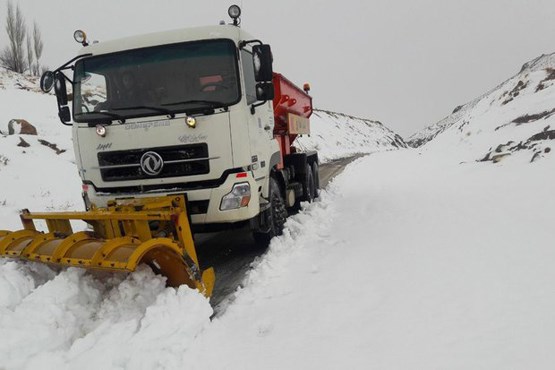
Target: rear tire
{"x": 309, "y": 187}
{"x": 309, "y": 190}
{"x": 316, "y": 175}
{"x": 277, "y": 215}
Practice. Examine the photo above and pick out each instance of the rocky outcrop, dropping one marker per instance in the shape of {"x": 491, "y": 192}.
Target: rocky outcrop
{"x": 19, "y": 127}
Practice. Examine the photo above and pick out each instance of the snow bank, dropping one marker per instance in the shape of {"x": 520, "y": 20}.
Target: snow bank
{"x": 76, "y": 320}
{"x": 394, "y": 269}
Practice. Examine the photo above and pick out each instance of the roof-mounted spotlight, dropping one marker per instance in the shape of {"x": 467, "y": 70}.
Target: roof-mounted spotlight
{"x": 235, "y": 12}
{"x": 81, "y": 37}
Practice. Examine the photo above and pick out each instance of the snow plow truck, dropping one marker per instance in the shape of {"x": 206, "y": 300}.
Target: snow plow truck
{"x": 174, "y": 132}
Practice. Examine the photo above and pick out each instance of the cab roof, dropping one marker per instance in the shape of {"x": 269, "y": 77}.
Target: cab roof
{"x": 167, "y": 37}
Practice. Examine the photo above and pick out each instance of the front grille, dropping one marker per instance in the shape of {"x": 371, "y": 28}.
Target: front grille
{"x": 164, "y": 188}
{"x": 183, "y": 160}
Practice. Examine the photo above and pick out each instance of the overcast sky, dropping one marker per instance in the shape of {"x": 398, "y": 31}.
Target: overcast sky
{"x": 407, "y": 63}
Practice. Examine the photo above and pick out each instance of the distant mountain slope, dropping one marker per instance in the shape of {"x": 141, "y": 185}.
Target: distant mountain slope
{"x": 337, "y": 135}
{"x": 516, "y": 116}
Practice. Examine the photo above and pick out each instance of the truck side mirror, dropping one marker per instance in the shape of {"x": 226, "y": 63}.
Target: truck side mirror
{"x": 265, "y": 91}
{"x": 47, "y": 81}
{"x": 60, "y": 89}
{"x": 262, "y": 63}
{"x": 61, "y": 94}
{"x": 64, "y": 114}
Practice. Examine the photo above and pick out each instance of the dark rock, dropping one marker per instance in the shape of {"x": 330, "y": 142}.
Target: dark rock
{"x": 527, "y": 118}
{"x": 54, "y": 147}
{"x": 544, "y": 135}
{"x": 21, "y": 127}
{"x": 23, "y": 143}
{"x": 521, "y": 85}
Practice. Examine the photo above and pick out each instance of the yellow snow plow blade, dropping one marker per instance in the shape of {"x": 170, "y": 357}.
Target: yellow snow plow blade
{"x": 154, "y": 231}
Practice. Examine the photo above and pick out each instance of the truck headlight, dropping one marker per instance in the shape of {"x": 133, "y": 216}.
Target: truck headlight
{"x": 101, "y": 130}
{"x": 239, "y": 196}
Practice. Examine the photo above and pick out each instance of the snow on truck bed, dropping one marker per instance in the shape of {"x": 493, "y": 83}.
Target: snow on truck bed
{"x": 430, "y": 258}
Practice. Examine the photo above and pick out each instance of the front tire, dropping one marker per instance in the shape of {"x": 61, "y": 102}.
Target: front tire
{"x": 276, "y": 215}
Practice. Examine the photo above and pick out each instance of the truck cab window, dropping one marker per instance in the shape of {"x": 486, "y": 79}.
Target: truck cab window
{"x": 165, "y": 79}
{"x": 91, "y": 93}
{"x": 248, "y": 72}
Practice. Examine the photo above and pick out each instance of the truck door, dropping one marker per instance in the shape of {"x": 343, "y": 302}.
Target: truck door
{"x": 261, "y": 123}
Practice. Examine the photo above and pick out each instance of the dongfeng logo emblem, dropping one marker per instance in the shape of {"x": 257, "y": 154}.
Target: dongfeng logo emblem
{"x": 152, "y": 163}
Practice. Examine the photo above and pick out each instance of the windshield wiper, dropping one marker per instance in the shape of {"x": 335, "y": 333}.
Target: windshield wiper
{"x": 211, "y": 103}
{"x": 109, "y": 114}
{"x": 156, "y": 109}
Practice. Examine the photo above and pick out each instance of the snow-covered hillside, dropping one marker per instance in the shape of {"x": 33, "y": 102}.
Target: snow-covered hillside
{"x": 516, "y": 116}
{"x": 337, "y": 135}
{"x": 36, "y": 171}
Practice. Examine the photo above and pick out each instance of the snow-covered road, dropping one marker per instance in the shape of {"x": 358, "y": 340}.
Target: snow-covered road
{"x": 408, "y": 261}
{"x": 232, "y": 252}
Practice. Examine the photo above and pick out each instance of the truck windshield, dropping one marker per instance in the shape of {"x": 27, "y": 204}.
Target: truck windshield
{"x": 158, "y": 80}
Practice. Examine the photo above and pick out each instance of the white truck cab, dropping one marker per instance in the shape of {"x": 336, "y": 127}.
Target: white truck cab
{"x": 178, "y": 112}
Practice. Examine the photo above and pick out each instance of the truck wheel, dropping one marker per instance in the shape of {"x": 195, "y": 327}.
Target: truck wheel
{"x": 316, "y": 175}
{"x": 309, "y": 187}
{"x": 277, "y": 215}
{"x": 309, "y": 190}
